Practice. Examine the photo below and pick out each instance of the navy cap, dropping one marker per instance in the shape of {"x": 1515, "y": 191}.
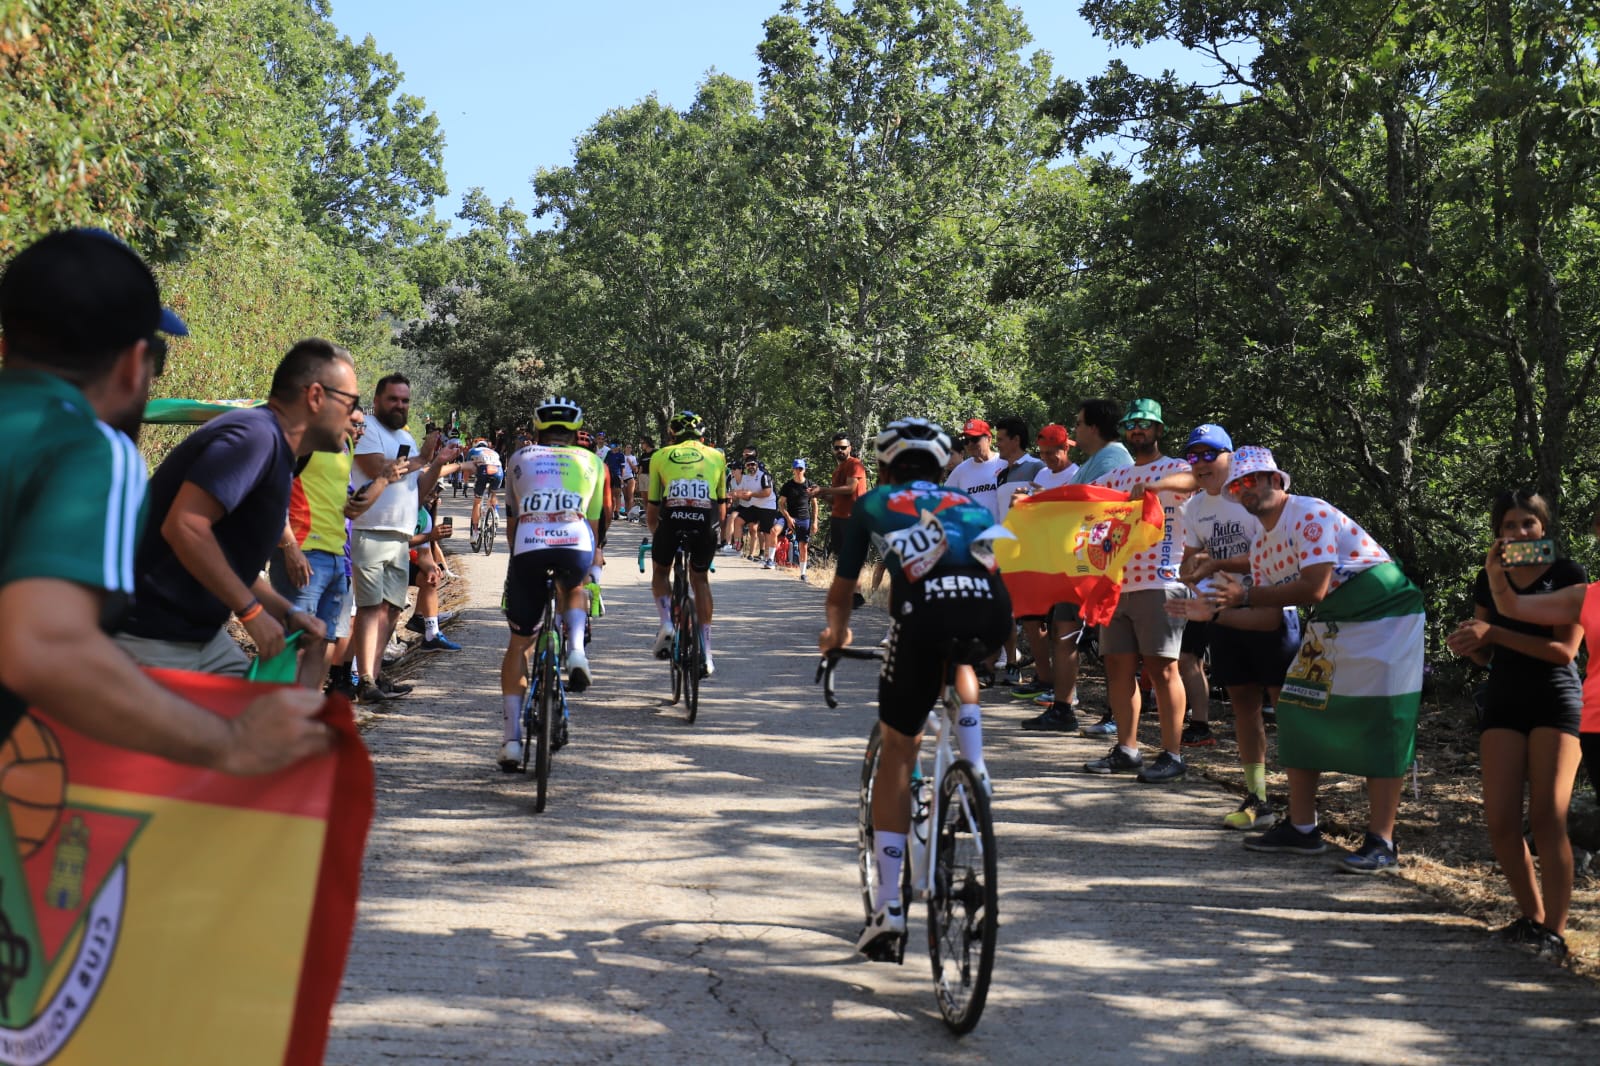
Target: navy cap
{"x": 169, "y": 322}
{"x": 1212, "y": 436}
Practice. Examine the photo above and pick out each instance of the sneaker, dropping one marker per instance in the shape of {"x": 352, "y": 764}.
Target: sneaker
{"x": 577, "y": 670}
{"x": 342, "y": 687}
{"x": 1286, "y": 839}
{"x": 1105, "y": 727}
{"x": 1373, "y": 857}
{"x": 393, "y": 689}
{"x": 1027, "y": 690}
{"x": 1047, "y": 697}
{"x": 1533, "y": 936}
{"x": 1116, "y": 761}
{"x": 394, "y": 651}
{"x": 663, "y": 645}
{"x": 768, "y": 564}
{"x": 1058, "y": 719}
{"x": 367, "y": 692}
{"x": 1198, "y": 735}
{"x": 886, "y": 927}
{"x": 806, "y": 579}
{"x": 511, "y": 756}
{"x": 439, "y": 643}
{"x": 1253, "y": 812}
{"x": 1013, "y": 675}
{"x": 415, "y": 624}
{"x": 1166, "y": 770}
{"x": 728, "y": 549}
{"x": 1269, "y": 713}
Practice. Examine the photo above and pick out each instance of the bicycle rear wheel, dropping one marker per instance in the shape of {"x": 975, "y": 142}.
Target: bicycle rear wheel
{"x": 963, "y": 911}
{"x": 549, "y": 707}
{"x": 694, "y": 658}
{"x": 491, "y": 528}
{"x": 866, "y": 845}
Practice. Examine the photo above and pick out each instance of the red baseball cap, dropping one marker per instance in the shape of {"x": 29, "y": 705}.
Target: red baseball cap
{"x": 977, "y": 427}
{"x": 1055, "y": 436}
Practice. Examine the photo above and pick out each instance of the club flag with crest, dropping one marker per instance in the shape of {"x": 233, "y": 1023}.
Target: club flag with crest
{"x": 1351, "y": 699}
{"x": 157, "y": 913}
{"x": 1072, "y": 545}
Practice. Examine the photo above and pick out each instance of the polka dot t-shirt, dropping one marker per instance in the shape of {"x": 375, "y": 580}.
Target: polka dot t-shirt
{"x": 1156, "y": 567}
{"x": 1312, "y": 531}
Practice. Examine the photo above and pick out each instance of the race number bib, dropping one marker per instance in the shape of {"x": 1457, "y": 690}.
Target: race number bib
{"x": 919, "y": 547}
{"x": 553, "y": 502}
{"x": 688, "y": 492}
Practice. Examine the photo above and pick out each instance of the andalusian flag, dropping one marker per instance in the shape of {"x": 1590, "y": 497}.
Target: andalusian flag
{"x": 1072, "y": 545}
{"x": 1351, "y": 699}
{"x": 191, "y": 412}
{"x": 156, "y": 913}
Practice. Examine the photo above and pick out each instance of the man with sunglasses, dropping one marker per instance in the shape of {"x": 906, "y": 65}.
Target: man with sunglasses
{"x": 849, "y": 485}
{"x": 1218, "y": 536}
{"x": 1353, "y": 703}
{"x": 1141, "y": 626}
{"x": 218, "y": 505}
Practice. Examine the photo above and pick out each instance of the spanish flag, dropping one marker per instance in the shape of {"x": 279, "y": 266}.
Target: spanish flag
{"x": 157, "y": 913}
{"x": 1072, "y": 544}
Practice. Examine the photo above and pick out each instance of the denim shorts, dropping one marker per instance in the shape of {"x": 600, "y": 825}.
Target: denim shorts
{"x": 324, "y": 594}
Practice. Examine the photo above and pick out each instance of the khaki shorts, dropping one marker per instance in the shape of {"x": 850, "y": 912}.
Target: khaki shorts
{"x": 1142, "y": 625}
{"x": 219, "y": 655}
{"x": 381, "y": 561}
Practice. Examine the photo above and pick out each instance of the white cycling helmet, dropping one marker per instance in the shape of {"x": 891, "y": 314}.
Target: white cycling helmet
{"x": 912, "y": 435}
{"x": 558, "y": 412}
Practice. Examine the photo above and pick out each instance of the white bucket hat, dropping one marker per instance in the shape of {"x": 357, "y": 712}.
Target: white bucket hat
{"x": 1254, "y": 459}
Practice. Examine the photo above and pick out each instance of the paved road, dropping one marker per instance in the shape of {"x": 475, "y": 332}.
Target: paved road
{"x": 689, "y": 895}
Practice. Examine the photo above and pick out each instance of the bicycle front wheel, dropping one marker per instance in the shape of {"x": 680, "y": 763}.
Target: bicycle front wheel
{"x": 963, "y": 910}
{"x": 549, "y": 707}
{"x": 866, "y": 845}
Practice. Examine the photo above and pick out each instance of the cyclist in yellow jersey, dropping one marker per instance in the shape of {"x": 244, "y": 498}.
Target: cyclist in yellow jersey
{"x": 687, "y": 498}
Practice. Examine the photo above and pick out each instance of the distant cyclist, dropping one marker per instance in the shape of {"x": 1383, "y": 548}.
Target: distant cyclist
{"x": 944, "y": 604}
{"x": 687, "y": 496}
{"x": 491, "y": 475}
{"x": 553, "y": 505}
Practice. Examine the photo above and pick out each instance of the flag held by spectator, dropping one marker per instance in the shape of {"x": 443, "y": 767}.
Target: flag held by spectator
{"x": 157, "y": 913}
{"x": 1351, "y": 699}
{"x": 1072, "y": 546}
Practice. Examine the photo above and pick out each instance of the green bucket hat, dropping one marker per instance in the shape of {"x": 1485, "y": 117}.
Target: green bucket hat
{"x": 1144, "y": 408}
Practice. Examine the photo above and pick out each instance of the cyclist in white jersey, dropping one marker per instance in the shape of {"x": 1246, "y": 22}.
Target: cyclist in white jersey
{"x": 553, "y": 504}
{"x": 491, "y": 475}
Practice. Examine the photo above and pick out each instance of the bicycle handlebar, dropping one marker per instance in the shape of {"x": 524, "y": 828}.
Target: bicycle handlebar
{"x": 830, "y": 660}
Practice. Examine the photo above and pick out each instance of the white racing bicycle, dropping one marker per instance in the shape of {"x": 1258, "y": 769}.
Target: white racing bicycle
{"x": 952, "y": 857}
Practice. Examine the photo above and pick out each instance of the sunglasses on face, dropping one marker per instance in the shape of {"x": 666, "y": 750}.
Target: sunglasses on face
{"x": 841, "y": 447}
{"x": 1248, "y": 481}
{"x": 1137, "y": 423}
{"x": 1202, "y": 455}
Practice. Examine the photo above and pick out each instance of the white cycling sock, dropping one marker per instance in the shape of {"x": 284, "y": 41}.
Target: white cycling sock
{"x": 969, "y": 734}
{"x": 430, "y": 627}
{"x": 891, "y": 854}
{"x": 576, "y": 618}
{"x": 705, "y": 638}
{"x": 664, "y": 606}
{"x": 596, "y": 572}
{"x": 512, "y": 714}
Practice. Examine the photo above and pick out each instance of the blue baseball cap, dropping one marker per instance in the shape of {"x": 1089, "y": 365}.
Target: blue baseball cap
{"x": 169, "y": 322}
{"x": 1210, "y": 435}
{"x": 799, "y": 464}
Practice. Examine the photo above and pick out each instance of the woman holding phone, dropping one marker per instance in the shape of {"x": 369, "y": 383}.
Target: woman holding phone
{"x": 1526, "y": 628}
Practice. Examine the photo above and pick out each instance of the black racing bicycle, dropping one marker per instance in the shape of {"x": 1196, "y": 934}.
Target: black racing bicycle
{"x": 687, "y": 654}
{"x": 544, "y": 707}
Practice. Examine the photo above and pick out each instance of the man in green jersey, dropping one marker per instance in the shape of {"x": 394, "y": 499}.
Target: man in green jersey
{"x": 686, "y": 502}
{"x": 80, "y": 334}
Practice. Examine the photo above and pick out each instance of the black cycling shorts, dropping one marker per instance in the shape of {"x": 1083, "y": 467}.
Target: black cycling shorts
{"x": 488, "y": 483}
{"x": 700, "y": 536}
{"x": 970, "y": 607}
{"x": 525, "y": 583}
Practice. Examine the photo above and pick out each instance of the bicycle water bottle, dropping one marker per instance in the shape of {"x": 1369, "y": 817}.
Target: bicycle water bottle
{"x": 597, "y": 607}
{"x": 921, "y": 795}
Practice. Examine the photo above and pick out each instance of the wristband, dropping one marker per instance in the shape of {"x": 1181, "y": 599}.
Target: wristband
{"x": 1246, "y": 601}
{"x": 250, "y": 611}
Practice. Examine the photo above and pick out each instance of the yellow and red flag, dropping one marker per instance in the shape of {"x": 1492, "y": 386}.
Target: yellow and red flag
{"x": 157, "y": 913}
{"x": 1072, "y": 544}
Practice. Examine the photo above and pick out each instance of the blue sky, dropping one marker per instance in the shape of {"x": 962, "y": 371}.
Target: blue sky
{"x": 516, "y": 82}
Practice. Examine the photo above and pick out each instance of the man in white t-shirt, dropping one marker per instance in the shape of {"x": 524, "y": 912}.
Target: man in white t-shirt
{"x": 978, "y": 475}
{"x": 1218, "y": 536}
{"x": 380, "y": 536}
{"x": 1141, "y": 625}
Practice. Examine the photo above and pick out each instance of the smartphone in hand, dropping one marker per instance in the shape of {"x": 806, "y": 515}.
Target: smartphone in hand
{"x": 405, "y": 450}
{"x": 447, "y": 527}
{"x": 1528, "y": 552}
